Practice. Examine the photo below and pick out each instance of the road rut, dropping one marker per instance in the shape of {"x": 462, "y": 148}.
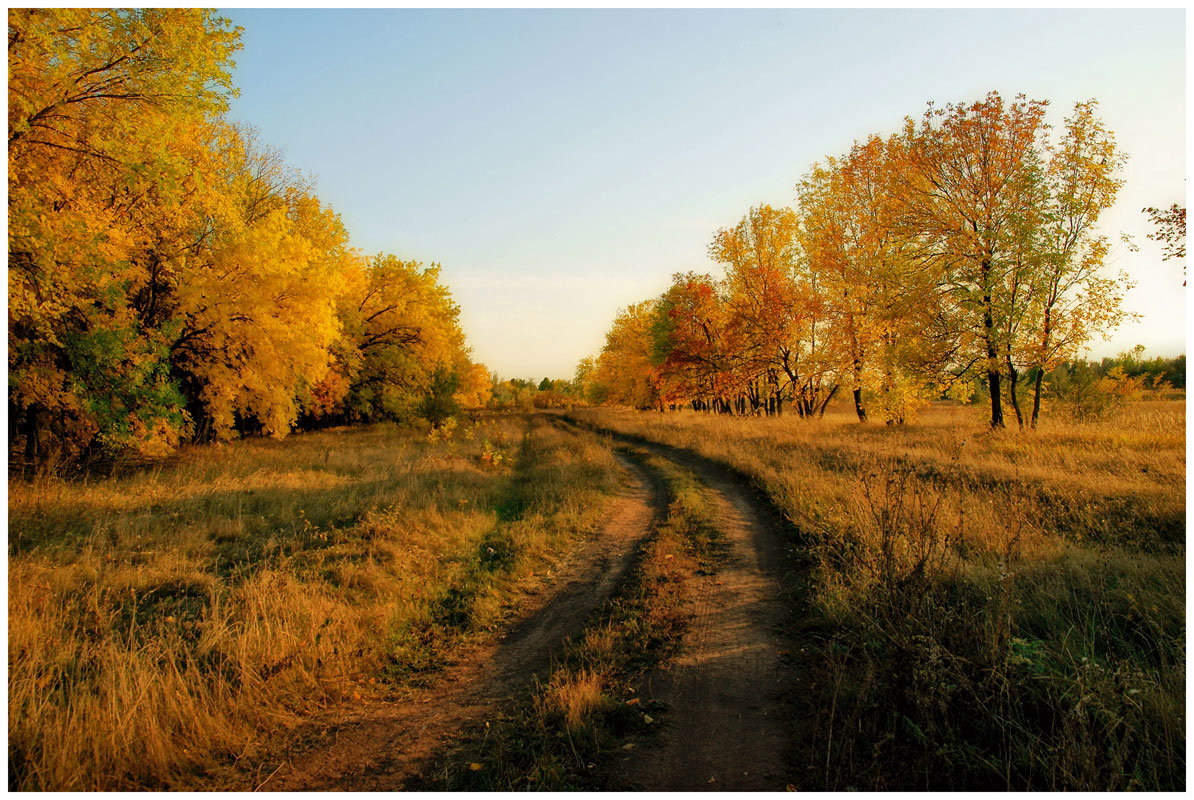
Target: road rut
{"x": 385, "y": 746}
{"x": 731, "y": 691}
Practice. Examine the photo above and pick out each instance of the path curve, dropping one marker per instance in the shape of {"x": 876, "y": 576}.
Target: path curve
{"x": 384, "y": 746}
{"x": 731, "y": 692}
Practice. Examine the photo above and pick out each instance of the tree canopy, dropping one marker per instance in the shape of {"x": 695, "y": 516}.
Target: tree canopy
{"x": 170, "y": 277}
{"x": 962, "y": 248}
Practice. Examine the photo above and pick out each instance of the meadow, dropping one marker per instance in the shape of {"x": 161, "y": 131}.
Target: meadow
{"x": 982, "y": 610}
{"x": 987, "y": 609}
{"x": 167, "y": 621}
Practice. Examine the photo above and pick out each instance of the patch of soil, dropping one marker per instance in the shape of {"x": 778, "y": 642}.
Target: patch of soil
{"x": 383, "y": 746}
{"x": 729, "y": 692}
{"x": 733, "y": 718}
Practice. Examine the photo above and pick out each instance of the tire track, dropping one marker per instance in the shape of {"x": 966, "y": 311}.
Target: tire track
{"x": 731, "y": 719}
{"x": 387, "y": 745}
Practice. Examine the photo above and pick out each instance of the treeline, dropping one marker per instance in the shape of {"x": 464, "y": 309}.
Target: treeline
{"x": 524, "y": 394}
{"x": 170, "y": 277}
{"x": 1157, "y": 373}
{"x": 960, "y": 251}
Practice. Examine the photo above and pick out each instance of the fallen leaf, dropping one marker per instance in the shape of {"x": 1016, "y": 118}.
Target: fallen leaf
{"x": 474, "y": 766}
{"x": 628, "y": 746}
{"x": 647, "y": 718}
{"x": 632, "y": 702}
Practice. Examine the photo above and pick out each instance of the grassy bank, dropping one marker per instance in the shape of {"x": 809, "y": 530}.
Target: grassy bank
{"x": 162, "y": 622}
{"x": 989, "y": 610}
{"x": 587, "y": 709}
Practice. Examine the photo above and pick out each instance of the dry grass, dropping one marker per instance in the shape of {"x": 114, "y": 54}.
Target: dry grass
{"x": 162, "y": 622}
{"x": 990, "y": 609}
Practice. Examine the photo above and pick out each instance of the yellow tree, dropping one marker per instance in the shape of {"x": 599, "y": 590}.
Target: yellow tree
{"x": 843, "y": 244}
{"x": 400, "y": 326}
{"x": 1076, "y": 299}
{"x": 625, "y": 368}
{"x": 475, "y": 385}
{"x": 104, "y": 106}
{"x": 970, "y": 171}
{"x": 258, "y": 312}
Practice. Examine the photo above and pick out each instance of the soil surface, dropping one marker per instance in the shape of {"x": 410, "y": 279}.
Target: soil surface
{"x": 383, "y": 746}
{"x": 730, "y": 692}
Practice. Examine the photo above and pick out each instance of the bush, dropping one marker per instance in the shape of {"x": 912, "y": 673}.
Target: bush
{"x": 440, "y": 404}
{"x": 1086, "y": 395}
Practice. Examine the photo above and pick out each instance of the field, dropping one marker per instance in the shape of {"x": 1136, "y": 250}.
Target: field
{"x": 165, "y": 622}
{"x": 987, "y": 609}
{"x": 957, "y": 608}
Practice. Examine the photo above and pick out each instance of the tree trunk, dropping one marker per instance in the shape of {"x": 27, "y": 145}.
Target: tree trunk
{"x": 858, "y": 409}
{"x": 1012, "y": 377}
{"x": 825, "y": 402}
{"x": 992, "y": 350}
{"x": 996, "y": 406}
{"x": 1036, "y": 396}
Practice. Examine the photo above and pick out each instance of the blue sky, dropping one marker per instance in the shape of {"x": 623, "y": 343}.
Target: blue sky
{"x": 563, "y": 164}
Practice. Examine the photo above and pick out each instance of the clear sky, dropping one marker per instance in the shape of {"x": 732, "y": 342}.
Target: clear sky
{"x": 563, "y": 164}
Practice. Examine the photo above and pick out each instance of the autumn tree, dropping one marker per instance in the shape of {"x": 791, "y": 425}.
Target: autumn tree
{"x": 760, "y": 258}
{"x": 1074, "y": 298}
{"x": 107, "y": 112}
{"x": 694, "y": 346}
{"x": 972, "y": 172}
{"x": 1170, "y": 232}
{"x": 400, "y": 325}
{"x": 626, "y": 370}
{"x": 170, "y": 276}
{"x": 475, "y": 385}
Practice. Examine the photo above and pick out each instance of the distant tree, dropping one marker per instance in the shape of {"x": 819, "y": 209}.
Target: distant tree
{"x": 475, "y": 387}
{"x": 626, "y": 368}
{"x": 545, "y": 385}
{"x": 399, "y": 322}
{"x": 760, "y": 255}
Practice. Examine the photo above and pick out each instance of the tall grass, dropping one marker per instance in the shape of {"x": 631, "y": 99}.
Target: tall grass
{"x": 162, "y": 622}
{"x": 988, "y": 610}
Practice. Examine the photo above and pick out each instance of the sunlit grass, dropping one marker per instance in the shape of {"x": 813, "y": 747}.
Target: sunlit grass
{"x": 164, "y": 621}
{"x": 1040, "y": 645}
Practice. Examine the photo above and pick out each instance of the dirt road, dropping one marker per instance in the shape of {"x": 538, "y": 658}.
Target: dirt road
{"x": 731, "y": 692}
{"x": 383, "y": 746}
